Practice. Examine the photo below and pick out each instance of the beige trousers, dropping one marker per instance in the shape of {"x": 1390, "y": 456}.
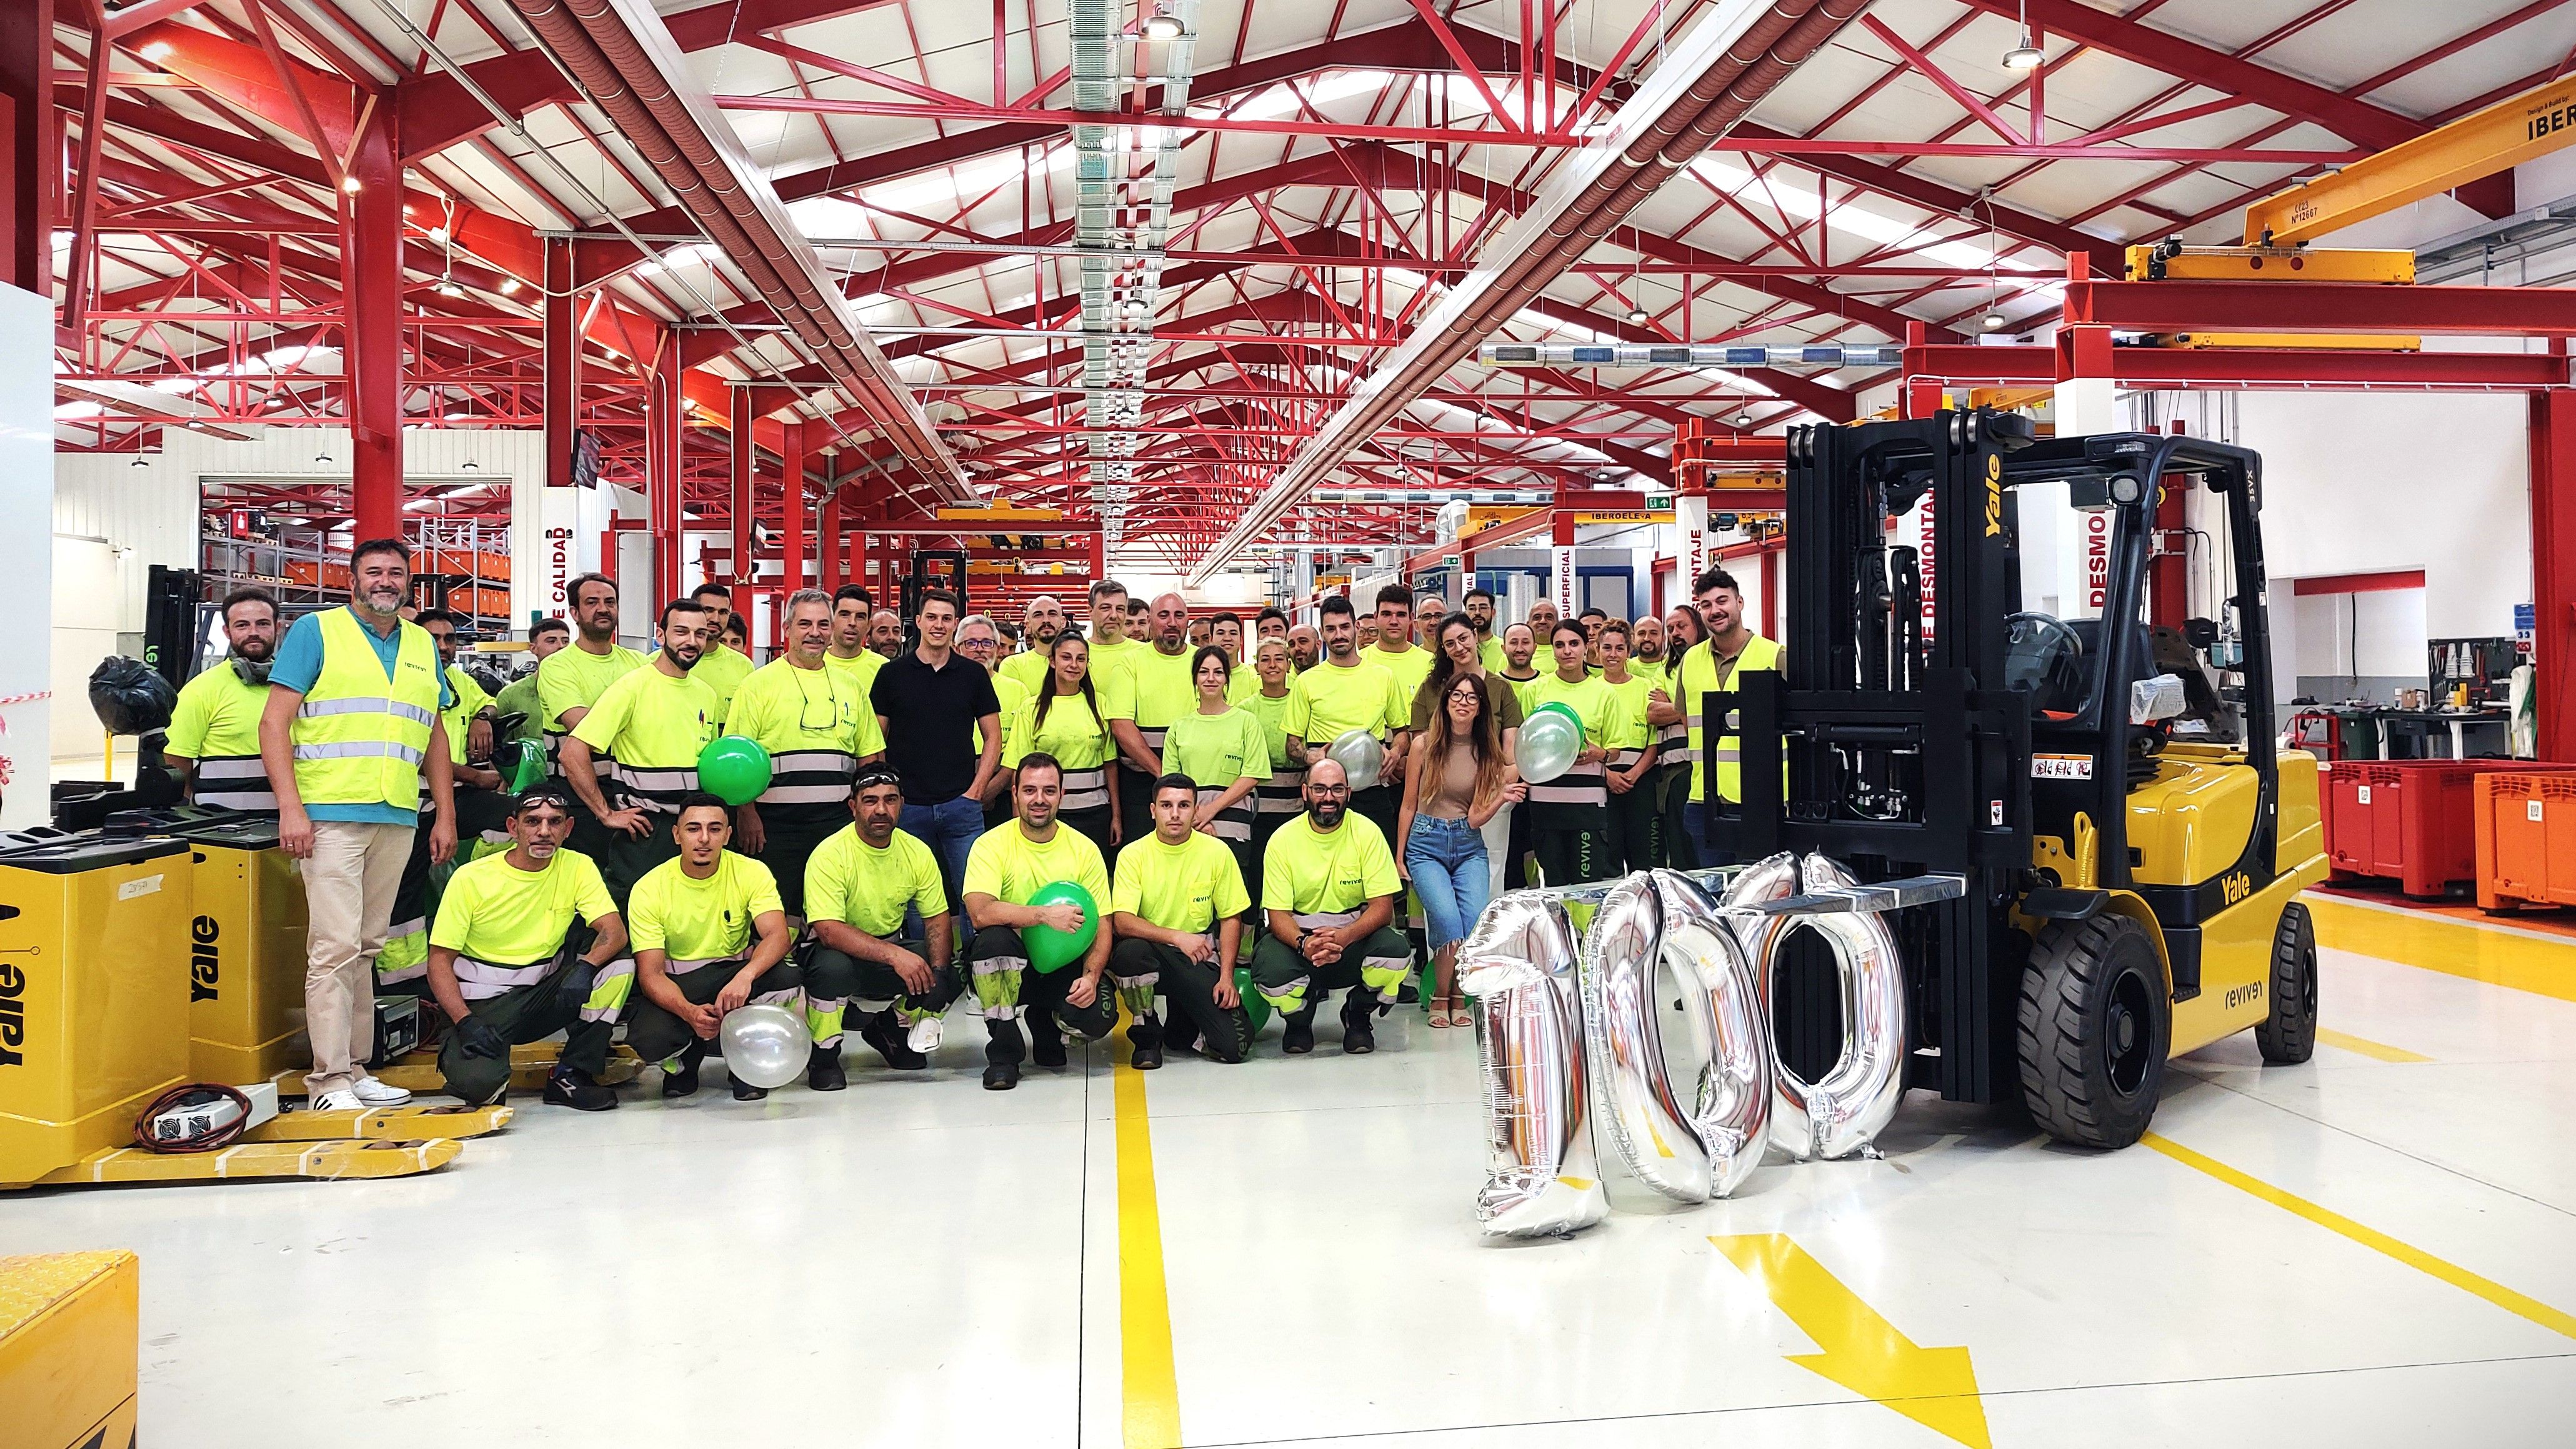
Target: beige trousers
{"x": 349, "y": 885}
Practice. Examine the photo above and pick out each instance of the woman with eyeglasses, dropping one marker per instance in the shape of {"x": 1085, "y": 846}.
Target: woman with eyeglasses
{"x": 1064, "y": 720}
{"x": 1460, "y": 651}
{"x": 1461, "y": 779}
{"x": 980, "y": 640}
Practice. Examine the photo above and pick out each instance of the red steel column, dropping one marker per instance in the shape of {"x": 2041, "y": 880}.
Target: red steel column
{"x": 827, "y": 543}
{"x": 791, "y": 472}
{"x": 27, "y": 132}
{"x": 561, "y": 392}
{"x": 371, "y": 230}
{"x": 2553, "y": 569}
{"x": 662, "y": 464}
{"x": 740, "y": 411}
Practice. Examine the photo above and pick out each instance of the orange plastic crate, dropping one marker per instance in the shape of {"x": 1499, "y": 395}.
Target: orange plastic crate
{"x": 2526, "y": 837}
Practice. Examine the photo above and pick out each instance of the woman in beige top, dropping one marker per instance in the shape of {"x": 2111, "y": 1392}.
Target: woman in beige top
{"x": 1461, "y": 778}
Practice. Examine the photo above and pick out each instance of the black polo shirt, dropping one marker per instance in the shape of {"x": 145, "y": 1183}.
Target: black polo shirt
{"x": 930, "y": 719}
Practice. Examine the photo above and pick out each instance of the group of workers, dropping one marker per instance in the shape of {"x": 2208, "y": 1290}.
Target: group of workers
{"x": 923, "y": 791}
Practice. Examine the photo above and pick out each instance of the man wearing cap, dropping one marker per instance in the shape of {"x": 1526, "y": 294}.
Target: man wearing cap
{"x": 860, "y": 887}
{"x": 527, "y": 944}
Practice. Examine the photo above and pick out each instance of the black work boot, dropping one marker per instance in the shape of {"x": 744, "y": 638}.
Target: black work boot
{"x": 572, "y": 1087}
{"x": 680, "y": 1075}
{"x": 1146, "y": 1034}
{"x": 1002, "y": 1055}
{"x": 1298, "y": 1037}
{"x": 824, "y": 1073}
{"x": 1181, "y": 1035}
{"x": 882, "y": 1032}
{"x": 1359, "y": 1037}
{"x": 1046, "y": 1041}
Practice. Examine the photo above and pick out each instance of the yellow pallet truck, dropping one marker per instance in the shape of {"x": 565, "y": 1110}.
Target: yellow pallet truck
{"x": 96, "y": 957}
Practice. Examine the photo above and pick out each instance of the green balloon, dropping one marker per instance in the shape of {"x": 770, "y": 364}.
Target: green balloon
{"x": 1051, "y": 950}
{"x": 1558, "y": 706}
{"x": 523, "y": 761}
{"x": 733, "y": 769}
{"x": 1254, "y": 1007}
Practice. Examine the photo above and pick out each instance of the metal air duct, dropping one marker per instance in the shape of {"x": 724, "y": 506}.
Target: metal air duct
{"x": 1708, "y": 82}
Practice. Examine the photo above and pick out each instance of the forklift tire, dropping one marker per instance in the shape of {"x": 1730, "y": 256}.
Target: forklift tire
{"x": 2095, "y": 1023}
{"x": 2288, "y": 1033}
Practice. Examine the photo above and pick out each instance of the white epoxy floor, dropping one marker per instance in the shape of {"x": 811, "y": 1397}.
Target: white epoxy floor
{"x": 918, "y": 1262}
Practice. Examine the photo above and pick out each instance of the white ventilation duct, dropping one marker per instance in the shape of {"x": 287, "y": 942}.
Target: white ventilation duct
{"x": 1123, "y": 209}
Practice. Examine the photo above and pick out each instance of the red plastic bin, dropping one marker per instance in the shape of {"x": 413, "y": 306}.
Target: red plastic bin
{"x": 2526, "y": 828}
{"x": 2413, "y": 821}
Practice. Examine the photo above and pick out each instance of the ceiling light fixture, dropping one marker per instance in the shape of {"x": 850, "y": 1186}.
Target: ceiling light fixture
{"x": 349, "y": 184}
{"x": 138, "y": 462}
{"x": 1994, "y": 321}
{"x": 2027, "y": 55}
{"x": 469, "y": 466}
{"x": 447, "y": 287}
{"x": 1163, "y": 26}
{"x": 322, "y": 459}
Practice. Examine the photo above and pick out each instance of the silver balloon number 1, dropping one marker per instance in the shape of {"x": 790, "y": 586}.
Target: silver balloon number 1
{"x": 1575, "y": 1042}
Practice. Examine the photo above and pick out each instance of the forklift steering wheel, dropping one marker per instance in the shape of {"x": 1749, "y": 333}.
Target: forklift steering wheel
{"x": 2044, "y": 656}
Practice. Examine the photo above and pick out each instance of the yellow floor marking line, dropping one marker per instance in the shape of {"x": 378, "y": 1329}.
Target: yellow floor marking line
{"x": 2496, "y": 1293}
{"x": 1935, "y": 1387}
{"x": 1152, "y": 1393}
{"x": 2454, "y": 948}
{"x": 2346, "y": 1041}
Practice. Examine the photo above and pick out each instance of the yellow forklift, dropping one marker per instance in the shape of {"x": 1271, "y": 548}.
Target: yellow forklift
{"x": 2133, "y": 842}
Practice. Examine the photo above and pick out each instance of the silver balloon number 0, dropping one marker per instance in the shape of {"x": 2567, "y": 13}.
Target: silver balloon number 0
{"x": 1686, "y": 1098}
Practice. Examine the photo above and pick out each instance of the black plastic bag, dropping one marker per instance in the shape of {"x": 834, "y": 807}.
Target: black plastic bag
{"x": 130, "y": 696}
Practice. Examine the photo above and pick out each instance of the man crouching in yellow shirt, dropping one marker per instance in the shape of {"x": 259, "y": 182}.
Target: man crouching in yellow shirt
{"x": 710, "y": 936}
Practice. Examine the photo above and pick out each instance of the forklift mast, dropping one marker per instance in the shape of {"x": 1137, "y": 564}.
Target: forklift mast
{"x": 1895, "y": 737}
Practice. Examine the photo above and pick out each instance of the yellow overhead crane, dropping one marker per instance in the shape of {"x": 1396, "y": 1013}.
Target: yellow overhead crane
{"x": 2279, "y": 227}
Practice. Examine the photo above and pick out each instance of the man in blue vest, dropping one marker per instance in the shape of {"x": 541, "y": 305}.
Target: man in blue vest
{"x": 351, "y": 729}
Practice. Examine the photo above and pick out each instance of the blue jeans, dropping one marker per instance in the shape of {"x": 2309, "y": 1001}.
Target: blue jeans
{"x": 949, "y": 828}
{"x": 1446, "y": 859}
{"x": 1695, "y": 820}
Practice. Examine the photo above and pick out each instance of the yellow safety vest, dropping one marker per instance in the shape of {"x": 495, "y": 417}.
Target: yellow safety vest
{"x": 360, "y": 738}
{"x": 1696, "y": 676}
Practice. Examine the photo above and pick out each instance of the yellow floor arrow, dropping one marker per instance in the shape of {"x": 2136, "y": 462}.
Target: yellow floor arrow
{"x": 1935, "y": 1387}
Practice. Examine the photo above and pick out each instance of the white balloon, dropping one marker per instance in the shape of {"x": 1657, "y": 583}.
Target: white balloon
{"x": 1548, "y": 744}
{"x": 1360, "y": 756}
{"x": 764, "y": 1046}
{"x": 1842, "y": 1112}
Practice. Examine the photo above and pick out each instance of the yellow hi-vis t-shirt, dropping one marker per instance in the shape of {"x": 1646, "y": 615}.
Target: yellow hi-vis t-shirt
{"x": 700, "y": 920}
{"x": 849, "y": 880}
{"x": 1008, "y": 866}
{"x": 1309, "y": 872}
{"x": 217, "y": 716}
{"x": 1152, "y": 690}
{"x": 574, "y": 678}
{"x": 647, "y": 719}
{"x": 1272, "y": 715}
{"x": 1330, "y": 700}
{"x": 1596, "y": 703}
{"x": 1029, "y": 667}
{"x": 1410, "y": 668}
{"x": 786, "y": 708}
{"x": 1633, "y": 731}
{"x": 1109, "y": 659}
{"x": 493, "y": 911}
{"x": 724, "y": 668}
{"x": 1012, "y": 694}
{"x": 459, "y": 717}
{"x": 1184, "y": 887}
{"x": 857, "y": 674}
{"x": 1215, "y": 750}
{"x": 1077, "y": 738}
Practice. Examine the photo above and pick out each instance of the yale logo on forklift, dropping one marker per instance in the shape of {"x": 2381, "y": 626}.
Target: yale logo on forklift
{"x": 2061, "y": 767}
{"x": 2237, "y": 885}
{"x": 1994, "y": 495}
{"x": 205, "y": 967}
{"x": 13, "y": 1015}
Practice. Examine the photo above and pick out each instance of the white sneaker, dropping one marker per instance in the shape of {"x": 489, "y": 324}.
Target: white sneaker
{"x": 341, "y": 1100}
{"x": 379, "y": 1094}
{"x": 924, "y": 1036}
